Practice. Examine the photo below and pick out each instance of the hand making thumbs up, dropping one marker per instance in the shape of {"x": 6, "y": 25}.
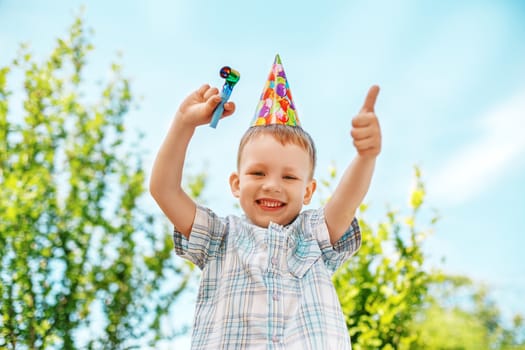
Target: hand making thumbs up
{"x": 366, "y": 132}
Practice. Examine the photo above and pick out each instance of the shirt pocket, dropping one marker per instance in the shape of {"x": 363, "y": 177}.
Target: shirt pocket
{"x": 302, "y": 255}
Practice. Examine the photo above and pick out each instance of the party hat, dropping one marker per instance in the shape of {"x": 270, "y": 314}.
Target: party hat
{"x": 276, "y": 104}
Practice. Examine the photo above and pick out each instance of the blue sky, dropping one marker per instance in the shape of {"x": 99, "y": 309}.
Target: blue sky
{"x": 452, "y": 100}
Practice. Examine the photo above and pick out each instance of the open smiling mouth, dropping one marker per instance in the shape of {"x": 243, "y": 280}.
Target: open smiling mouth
{"x": 271, "y": 204}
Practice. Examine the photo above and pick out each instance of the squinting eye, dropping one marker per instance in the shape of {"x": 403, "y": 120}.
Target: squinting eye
{"x": 289, "y": 177}
{"x": 257, "y": 173}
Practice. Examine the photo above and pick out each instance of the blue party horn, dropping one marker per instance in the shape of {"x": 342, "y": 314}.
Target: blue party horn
{"x": 231, "y": 77}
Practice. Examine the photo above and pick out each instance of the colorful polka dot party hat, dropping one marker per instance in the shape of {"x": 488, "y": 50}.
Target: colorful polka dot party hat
{"x": 276, "y": 104}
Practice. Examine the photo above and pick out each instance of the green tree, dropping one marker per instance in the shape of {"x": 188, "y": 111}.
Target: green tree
{"x": 392, "y": 300}
{"x": 461, "y": 315}
{"x": 385, "y": 285}
{"x": 82, "y": 264}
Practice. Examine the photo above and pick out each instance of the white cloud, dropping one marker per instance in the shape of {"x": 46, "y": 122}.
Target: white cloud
{"x": 486, "y": 160}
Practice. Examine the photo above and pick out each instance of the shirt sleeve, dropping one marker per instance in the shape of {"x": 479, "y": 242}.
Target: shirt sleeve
{"x": 206, "y": 237}
{"x": 334, "y": 256}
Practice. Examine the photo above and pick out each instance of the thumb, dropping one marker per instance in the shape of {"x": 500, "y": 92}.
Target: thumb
{"x": 370, "y": 100}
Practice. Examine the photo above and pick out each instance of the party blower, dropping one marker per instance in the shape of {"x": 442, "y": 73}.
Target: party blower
{"x": 231, "y": 77}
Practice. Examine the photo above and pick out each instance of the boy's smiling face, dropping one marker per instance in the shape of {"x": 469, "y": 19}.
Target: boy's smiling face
{"x": 273, "y": 181}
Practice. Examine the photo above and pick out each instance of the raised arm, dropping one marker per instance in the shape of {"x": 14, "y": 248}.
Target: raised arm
{"x": 354, "y": 184}
{"x": 166, "y": 177}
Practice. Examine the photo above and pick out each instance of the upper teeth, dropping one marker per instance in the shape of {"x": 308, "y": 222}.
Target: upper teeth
{"x": 270, "y": 203}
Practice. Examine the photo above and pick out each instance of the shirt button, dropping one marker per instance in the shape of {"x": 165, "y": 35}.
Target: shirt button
{"x": 275, "y": 339}
{"x": 274, "y": 261}
{"x": 275, "y": 296}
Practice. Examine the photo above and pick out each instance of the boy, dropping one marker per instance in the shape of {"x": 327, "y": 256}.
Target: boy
{"x": 266, "y": 281}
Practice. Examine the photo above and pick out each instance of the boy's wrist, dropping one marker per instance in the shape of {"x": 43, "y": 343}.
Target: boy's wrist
{"x": 367, "y": 157}
{"x": 363, "y": 159}
{"x": 181, "y": 127}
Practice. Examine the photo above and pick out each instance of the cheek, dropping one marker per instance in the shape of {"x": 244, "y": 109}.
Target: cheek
{"x": 247, "y": 187}
{"x": 300, "y": 192}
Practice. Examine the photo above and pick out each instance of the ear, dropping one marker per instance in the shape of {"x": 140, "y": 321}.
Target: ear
{"x": 310, "y": 189}
{"x": 235, "y": 185}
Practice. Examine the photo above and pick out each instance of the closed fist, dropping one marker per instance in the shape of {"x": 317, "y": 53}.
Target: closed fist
{"x": 366, "y": 132}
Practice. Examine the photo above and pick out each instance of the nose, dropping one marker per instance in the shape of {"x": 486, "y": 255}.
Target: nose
{"x": 271, "y": 184}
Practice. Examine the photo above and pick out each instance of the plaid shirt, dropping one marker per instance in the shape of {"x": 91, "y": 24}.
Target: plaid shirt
{"x": 267, "y": 288}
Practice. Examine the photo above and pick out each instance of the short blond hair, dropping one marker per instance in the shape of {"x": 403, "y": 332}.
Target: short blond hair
{"x": 285, "y": 134}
